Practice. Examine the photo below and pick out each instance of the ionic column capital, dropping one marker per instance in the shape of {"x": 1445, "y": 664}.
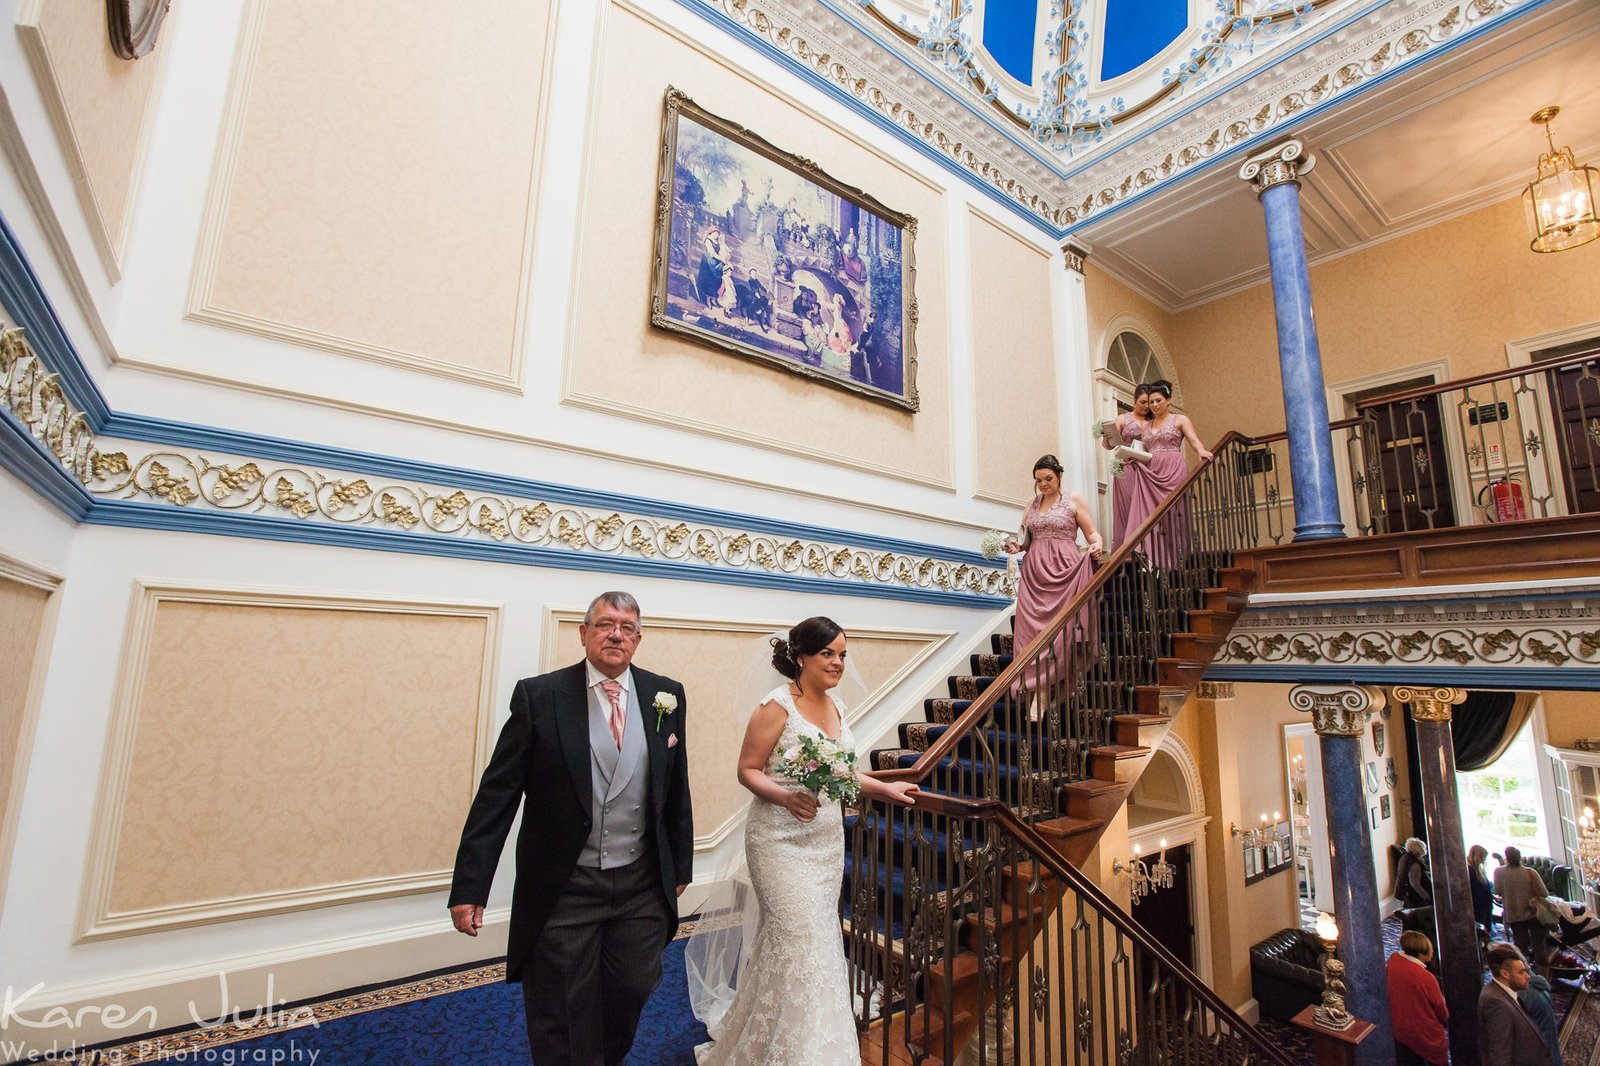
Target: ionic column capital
{"x": 1337, "y": 710}
{"x": 1076, "y": 256}
{"x": 1283, "y": 163}
{"x": 1429, "y": 704}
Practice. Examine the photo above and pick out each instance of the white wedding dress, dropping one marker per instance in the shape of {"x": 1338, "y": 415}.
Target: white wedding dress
{"x": 792, "y": 1004}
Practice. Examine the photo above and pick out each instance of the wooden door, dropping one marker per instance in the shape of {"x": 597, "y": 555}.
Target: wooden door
{"x": 1412, "y": 488}
{"x": 1575, "y": 411}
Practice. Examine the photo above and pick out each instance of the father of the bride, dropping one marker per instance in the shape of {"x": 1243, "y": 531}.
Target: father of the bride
{"x": 607, "y": 840}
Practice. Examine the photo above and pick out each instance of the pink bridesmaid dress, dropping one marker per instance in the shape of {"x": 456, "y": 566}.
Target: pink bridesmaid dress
{"x": 1131, "y": 426}
{"x": 1053, "y": 571}
{"x": 1152, "y": 482}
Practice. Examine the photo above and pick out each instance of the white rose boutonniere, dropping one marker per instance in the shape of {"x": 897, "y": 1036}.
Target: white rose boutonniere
{"x": 665, "y": 703}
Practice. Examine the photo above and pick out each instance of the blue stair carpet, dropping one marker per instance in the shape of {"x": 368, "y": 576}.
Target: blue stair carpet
{"x": 480, "y": 1025}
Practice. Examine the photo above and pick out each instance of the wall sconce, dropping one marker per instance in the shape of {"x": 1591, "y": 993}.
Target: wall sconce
{"x": 1145, "y": 878}
{"x": 1560, "y": 199}
{"x": 1331, "y": 1013}
{"x": 1260, "y": 837}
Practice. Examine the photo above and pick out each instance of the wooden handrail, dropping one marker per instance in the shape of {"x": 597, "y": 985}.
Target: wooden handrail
{"x": 1022, "y": 660}
{"x": 1478, "y": 379}
{"x": 1046, "y": 855}
{"x": 1435, "y": 389}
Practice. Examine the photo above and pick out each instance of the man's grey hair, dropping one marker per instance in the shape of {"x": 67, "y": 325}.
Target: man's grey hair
{"x": 1416, "y": 847}
{"x": 619, "y": 600}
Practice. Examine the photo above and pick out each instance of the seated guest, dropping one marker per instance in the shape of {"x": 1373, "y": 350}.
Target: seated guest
{"x": 1413, "y": 886}
{"x": 1506, "y": 1035}
{"x": 1416, "y": 1005}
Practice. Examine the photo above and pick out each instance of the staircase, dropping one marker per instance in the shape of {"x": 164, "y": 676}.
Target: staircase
{"x": 973, "y": 935}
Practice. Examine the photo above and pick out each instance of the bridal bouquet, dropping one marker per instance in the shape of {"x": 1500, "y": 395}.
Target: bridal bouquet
{"x": 993, "y": 543}
{"x": 822, "y": 767}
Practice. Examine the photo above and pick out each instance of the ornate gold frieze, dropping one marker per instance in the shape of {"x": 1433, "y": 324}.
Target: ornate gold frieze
{"x": 1337, "y": 710}
{"x": 190, "y": 479}
{"x": 1429, "y": 704}
{"x": 1214, "y": 690}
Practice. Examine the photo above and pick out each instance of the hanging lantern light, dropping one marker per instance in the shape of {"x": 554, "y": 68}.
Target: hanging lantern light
{"x": 1560, "y": 201}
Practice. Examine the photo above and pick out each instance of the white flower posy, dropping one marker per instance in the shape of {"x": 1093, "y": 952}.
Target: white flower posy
{"x": 664, "y": 703}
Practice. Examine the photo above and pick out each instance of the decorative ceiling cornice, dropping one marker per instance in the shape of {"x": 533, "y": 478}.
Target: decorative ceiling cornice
{"x": 887, "y": 74}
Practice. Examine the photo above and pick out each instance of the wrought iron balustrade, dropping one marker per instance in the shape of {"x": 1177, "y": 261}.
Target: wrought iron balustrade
{"x": 1513, "y": 445}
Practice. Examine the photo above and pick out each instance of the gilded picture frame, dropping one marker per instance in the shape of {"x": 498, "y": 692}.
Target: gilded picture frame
{"x": 760, "y": 253}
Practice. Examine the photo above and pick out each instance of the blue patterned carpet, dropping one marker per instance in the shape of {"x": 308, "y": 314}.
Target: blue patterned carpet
{"x": 481, "y": 1025}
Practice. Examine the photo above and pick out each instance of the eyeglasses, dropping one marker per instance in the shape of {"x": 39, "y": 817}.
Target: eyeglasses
{"x": 608, "y": 625}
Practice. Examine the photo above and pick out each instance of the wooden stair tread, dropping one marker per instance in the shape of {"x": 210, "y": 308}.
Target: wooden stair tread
{"x": 1088, "y": 788}
{"x": 1119, "y": 751}
{"x": 1067, "y": 826}
{"x": 1143, "y": 719}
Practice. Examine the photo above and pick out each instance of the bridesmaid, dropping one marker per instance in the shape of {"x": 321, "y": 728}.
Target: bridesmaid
{"x": 1054, "y": 570}
{"x": 1152, "y": 482}
{"x": 1130, "y": 424}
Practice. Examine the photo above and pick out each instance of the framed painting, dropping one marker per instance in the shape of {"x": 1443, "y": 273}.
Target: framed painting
{"x": 1378, "y": 736}
{"x": 760, "y": 253}
{"x": 1383, "y": 806}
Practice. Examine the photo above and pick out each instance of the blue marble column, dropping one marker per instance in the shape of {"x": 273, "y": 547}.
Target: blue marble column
{"x": 1457, "y": 947}
{"x": 1275, "y": 175}
{"x": 1339, "y": 714}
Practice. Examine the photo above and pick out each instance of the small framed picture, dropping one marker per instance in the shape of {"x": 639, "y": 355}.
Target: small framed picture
{"x": 1383, "y": 805}
{"x": 1374, "y": 813}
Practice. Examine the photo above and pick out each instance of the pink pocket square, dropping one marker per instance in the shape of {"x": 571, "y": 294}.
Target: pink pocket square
{"x": 672, "y": 740}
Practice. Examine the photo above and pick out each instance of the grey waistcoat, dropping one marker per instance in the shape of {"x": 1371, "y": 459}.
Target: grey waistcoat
{"x": 620, "y": 781}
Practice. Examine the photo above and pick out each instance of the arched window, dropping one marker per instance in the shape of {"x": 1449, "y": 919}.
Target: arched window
{"x": 1132, "y": 358}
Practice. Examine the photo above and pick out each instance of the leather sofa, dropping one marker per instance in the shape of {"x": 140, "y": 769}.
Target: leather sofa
{"x": 1557, "y": 877}
{"x": 1286, "y": 973}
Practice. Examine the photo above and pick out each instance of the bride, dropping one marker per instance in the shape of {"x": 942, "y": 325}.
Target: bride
{"x": 792, "y": 1002}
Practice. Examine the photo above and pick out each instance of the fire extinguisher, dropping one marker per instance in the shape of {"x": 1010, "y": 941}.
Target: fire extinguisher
{"x": 1505, "y": 501}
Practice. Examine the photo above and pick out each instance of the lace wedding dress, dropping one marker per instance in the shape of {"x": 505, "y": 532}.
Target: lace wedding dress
{"x": 792, "y": 1006}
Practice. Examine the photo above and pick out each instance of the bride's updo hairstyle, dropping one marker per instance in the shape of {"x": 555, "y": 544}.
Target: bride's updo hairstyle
{"x": 807, "y": 638}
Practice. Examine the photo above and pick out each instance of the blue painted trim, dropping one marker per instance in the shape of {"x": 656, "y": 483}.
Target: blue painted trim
{"x": 24, "y": 297}
{"x": 1245, "y": 147}
{"x": 728, "y": 25}
{"x": 1578, "y": 678}
{"x": 136, "y": 515}
{"x": 39, "y": 469}
{"x": 806, "y": 74}
{"x": 281, "y": 449}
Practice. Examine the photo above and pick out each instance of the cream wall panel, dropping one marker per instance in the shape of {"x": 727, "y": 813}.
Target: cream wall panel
{"x": 383, "y": 209}
{"x": 329, "y": 747}
{"x": 27, "y": 614}
{"x": 1014, "y": 371}
{"x": 99, "y": 106}
{"x": 617, "y": 363}
{"x": 708, "y": 656}
{"x": 1457, "y": 291}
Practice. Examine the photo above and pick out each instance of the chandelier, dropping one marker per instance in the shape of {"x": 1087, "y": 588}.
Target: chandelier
{"x": 1560, "y": 201}
{"x": 1587, "y": 858}
{"x": 1145, "y": 878}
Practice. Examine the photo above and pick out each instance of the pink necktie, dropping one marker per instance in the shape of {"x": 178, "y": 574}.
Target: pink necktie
{"x": 613, "y": 693}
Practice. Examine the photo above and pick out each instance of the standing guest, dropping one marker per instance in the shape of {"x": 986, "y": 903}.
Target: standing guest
{"x": 1053, "y": 571}
{"x": 1517, "y": 886}
{"x": 1482, "y": 890}
{"x": 1535, "y": 1000}
{"x": 1506, "y": 1035}
{"x": 606, "y": 846}
{"x": 1413, "y": 885}
{"x": 1416, "y": 1005}
{"x": 1129, "y": 428}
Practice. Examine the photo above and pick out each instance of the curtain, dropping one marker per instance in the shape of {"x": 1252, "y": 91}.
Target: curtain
{"x": 1481, "y": 729}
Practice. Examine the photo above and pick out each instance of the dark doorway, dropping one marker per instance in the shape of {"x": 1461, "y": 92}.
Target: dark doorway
{"x": 1167, "y": 913}
{"x": 1575, "y": 408}
{"x": 1407, "y": 479}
